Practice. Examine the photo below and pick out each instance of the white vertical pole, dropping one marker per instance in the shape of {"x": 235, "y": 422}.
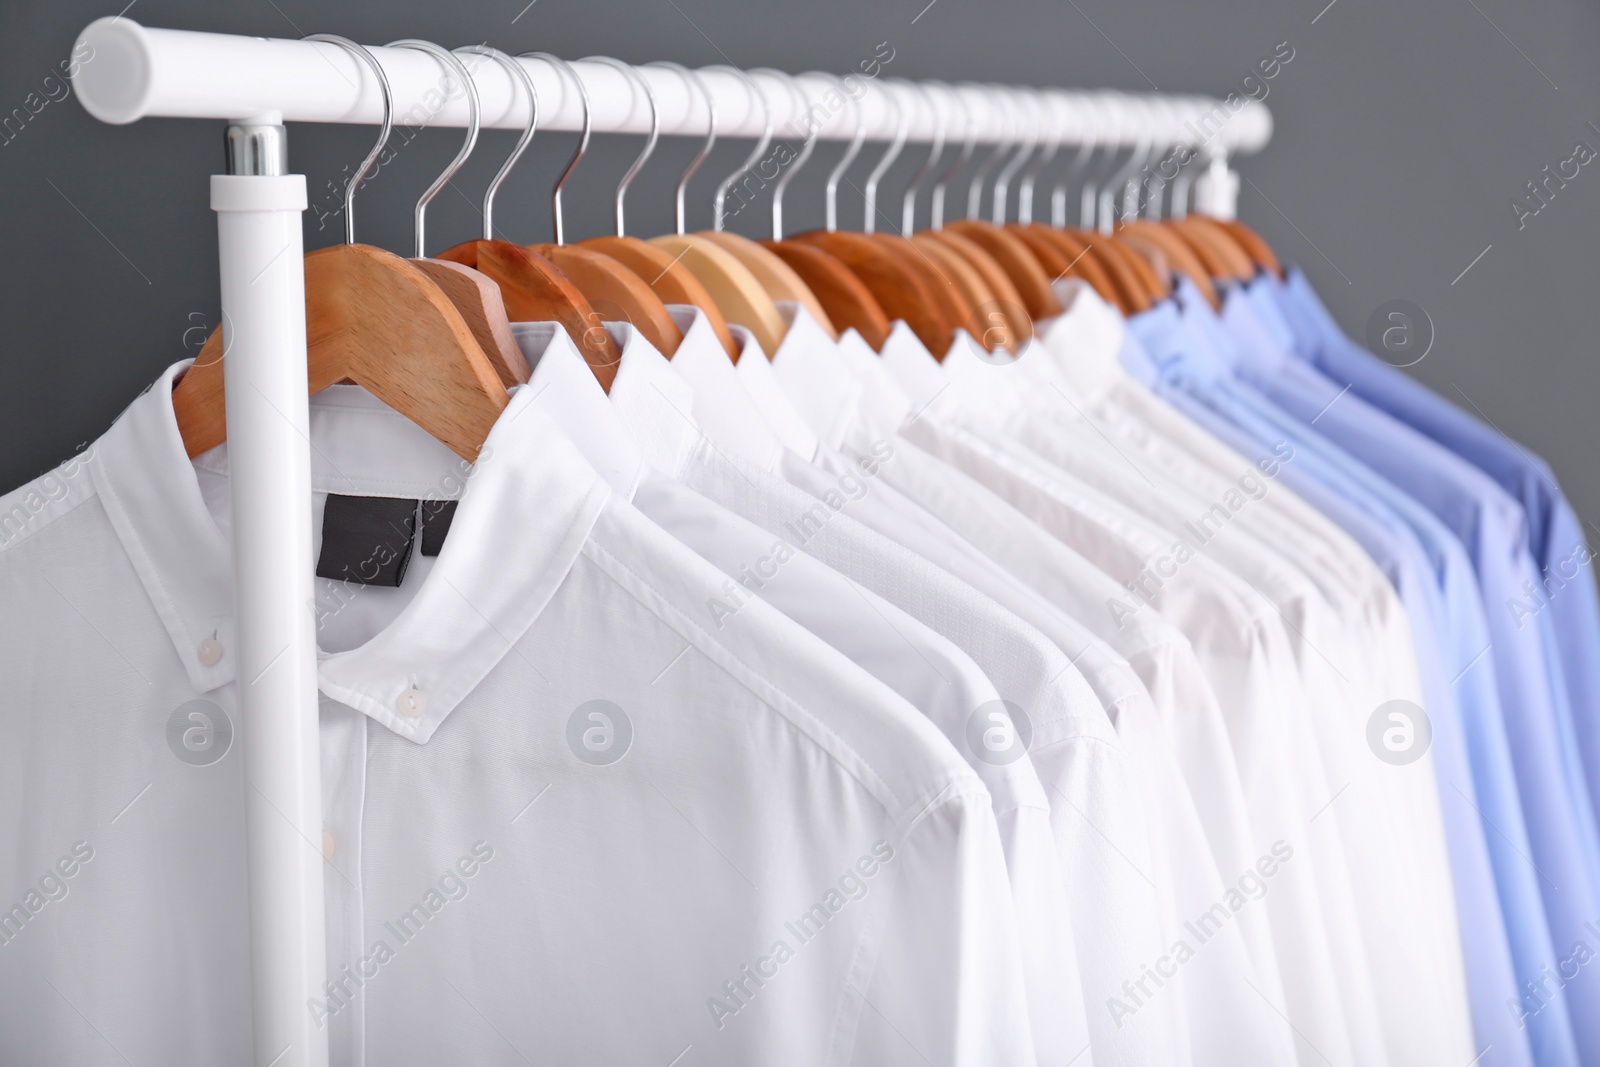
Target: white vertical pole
{"x": 264, "y": 340}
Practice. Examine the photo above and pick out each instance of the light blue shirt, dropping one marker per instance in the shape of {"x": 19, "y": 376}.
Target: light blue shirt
{"x": 1565, "y": 587}
{"x": 1490, "y": 524}
{"x": 1506, "y": 930}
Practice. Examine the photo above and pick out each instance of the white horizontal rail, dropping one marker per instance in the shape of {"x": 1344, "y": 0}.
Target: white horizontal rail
{"x": 128, "y": 72}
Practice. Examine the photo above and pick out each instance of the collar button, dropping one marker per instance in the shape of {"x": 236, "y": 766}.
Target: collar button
{"x": 412, "y": 702}
{"x": 209, "y": 652}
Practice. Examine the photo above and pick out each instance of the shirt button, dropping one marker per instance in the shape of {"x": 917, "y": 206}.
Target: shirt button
{"x": 327, "y": 845}
{"x": 412, "y": 702}
{"x": 210, "y": 652}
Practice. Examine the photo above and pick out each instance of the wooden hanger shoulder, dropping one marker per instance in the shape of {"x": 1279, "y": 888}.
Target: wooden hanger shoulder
{"x": 1115, "y": 260}
{"x": 993, "y": 326}
{"x": 848, "y": 301}
{"x": 1013, "y": 318}
{"x": 478, "y": 299}
{"x": 736, "y": 291}
{"x": 1223, "y": 258}
{"x": 669, "y": 279}
{"x": 535, "y": 290}
{"x": 1061, "y": 255}
{"x": 901, "y": 291}
{"x": 1178, "y": 253}
{"x": 1032, "y": 283}
{"x": 377, "y": 320}
{"x": 1255, "y": 246}
{"x": 779, "y": 279}
{"x": 616, "y": 293}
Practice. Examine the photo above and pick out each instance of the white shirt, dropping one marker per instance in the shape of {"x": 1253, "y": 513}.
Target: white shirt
{"x": 496, "y": 889}
{"x": 1091, "y": 784}
{"x": 919, "y": 664}
{"x": 1352, "y": 631}
{"x": 1229, "y": 1020}
{"x": 1248, "y": 658}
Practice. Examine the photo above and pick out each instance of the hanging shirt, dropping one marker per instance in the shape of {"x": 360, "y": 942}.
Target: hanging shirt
{"x": 1183, "y": 354}
{"x": 1249, "y": 662}
{"x": 1103, "y": 842}
{"x": 927, "y": 669}
{"x": 553, "y": 798}
{"x": 1229, "y": 1020}
{"x": 1564, "y": 589}
{"x": 1490, "y": 524}
{"x": 1195, "y": 469}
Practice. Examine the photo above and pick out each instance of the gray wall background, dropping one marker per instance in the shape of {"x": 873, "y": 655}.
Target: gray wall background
{"x": 1403, "y": 130}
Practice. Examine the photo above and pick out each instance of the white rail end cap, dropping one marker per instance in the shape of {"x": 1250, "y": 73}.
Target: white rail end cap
{"x": 115, "y": 80}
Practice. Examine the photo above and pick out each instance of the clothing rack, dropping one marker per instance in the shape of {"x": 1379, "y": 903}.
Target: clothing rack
{"x": 256, "y": 84}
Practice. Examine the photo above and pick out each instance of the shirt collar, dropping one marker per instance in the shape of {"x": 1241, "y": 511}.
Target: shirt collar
{"x": 1085, "y": 341}
{"x": 766, "y": 392}
{"x": 815, "y": 378}
{"x": 993, "y": 389}
{"x": 565, "y": 389}
{"x": 722, "y": 405}
{"x": 882, "y": 399}
{"x": 1255, "y": 344}
{"x": 912, "y": 365}
{"x": 656, "y": 403}
{"x": 530, "y": 496}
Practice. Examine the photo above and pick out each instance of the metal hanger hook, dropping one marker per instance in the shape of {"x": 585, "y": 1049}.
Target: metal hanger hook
{"x": 970, "y": 128}
{"x": 692, "y": 80}
{"x": 1047, "y": 101}
{"x": 564, "y": 70}
{"x": 902, "y": 125}
{"x": 1009, "y": 138}
{"x": 1091, "y": 137}
{"x": 634, "y": 77}
{"x": 720, "y": 201}
{"x": 812, "y": 131}
{"x": 849, "y": 156}
{"x": 474, "y": 114}
{"x": 519, "y": 74}
{"x": 908, "y": 202}
{"x": 1020, "y": 101}
{"x": 370, "y": 60}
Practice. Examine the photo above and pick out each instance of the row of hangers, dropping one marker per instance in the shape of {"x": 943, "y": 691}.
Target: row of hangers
{"x": 431, "y": 337}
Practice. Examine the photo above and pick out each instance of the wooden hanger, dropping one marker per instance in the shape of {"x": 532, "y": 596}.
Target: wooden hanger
{"x": 1060, "y": 260}
{"x": 1014, "y": 319}
{"x": 845, "y": 299}
{"x": 531, "y": 288}
{"x": 1240, "y": 264}
{"x": 668, "y": 278}
{"x": 611, "y": 288}
{"x": 616, "y": 293}
{"x": 899, "y": 289}
{"x": 478, "y": 299}
{"x": 735, "y": 290}
{"x": 958, "y": 309}
{"x": 776, "y": 276}
{"x": 995, "y": 328}
{"x": 374, "y": 319}
{"x": 475, "y": 295}
{"x": 1255, "y": 246}
{"x": 1215, "y": 247}
{"x": 1031, "y": 282}
{"x": 535, "y": 290}
{"x": 848, "y": 301}
{"x": 1179, "y": 255}
{"x": 378, "y": 321}
{"x": 1143, "y": 289}
{"x": 1086, "y": 246}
